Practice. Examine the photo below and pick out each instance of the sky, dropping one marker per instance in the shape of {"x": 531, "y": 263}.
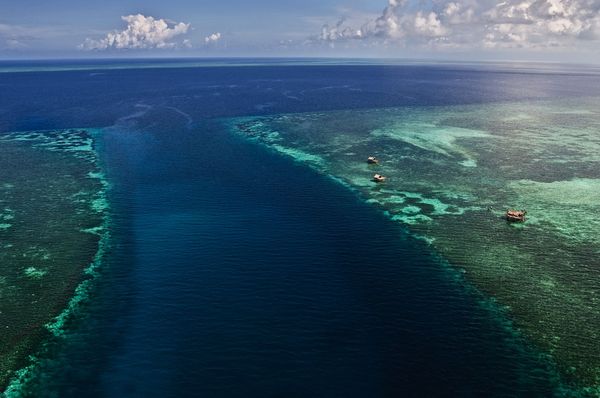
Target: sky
{"x": 535, "y": 30}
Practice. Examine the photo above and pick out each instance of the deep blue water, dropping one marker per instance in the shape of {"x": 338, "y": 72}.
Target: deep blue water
{"x": 235, "y": 272}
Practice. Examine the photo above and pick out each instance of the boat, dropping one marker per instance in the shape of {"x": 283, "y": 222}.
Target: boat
{"x": 372, "y": 160}
{"x": 378, "y": 178}
{"x": 515, "y": 215}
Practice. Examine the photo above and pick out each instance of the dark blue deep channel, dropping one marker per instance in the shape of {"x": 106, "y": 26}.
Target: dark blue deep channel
{"x": 242, "y": 274}
{"x": 235, "y": 272}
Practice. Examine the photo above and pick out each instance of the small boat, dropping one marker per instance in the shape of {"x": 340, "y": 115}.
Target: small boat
{"x": 372, "y": 160}
{"x": 378, "y": 178}
{"x": 515, "y": 215}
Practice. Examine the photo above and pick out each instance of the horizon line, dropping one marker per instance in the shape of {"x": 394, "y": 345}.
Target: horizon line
{"x": 122, "y": 63}
{"x": 299, "y": 58}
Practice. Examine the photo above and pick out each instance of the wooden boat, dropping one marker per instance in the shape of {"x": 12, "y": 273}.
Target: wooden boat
{"x": 378, "y": 178}
{"x": 372, "y": 160}
{"x": 515, "y": 215}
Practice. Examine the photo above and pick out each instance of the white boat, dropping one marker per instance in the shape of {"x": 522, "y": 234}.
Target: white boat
{"x": 378, "y": 178}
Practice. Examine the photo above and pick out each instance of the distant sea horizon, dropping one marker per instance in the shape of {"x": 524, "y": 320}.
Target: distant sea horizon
{"x": 142, "y": 61}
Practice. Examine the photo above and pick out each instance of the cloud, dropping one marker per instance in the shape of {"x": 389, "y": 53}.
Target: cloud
{"x": 534, "y": 23}
{"x": 475, "y": 23}
{"x": 212, "y": 38}
{"x": 142, "y": 32}
{"x": 428, "y": 25}
{"x": 339, "y": 32}
{"x": 14, "y": 37}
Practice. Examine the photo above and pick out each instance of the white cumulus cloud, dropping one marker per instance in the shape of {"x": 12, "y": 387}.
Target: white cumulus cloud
{"x": 212, "y": 38}
{"x": 142, "y": 32}
{"x": 476, "y": 23}
{"x": 428, "y": 25}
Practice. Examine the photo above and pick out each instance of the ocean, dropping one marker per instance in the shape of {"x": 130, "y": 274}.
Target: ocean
{"x": 247, "y": 252}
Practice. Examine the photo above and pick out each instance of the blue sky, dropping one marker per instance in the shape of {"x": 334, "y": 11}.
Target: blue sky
{"x": 552, "y": 30}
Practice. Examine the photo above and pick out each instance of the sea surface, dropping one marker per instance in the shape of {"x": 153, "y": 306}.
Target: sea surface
{"x": 239, "y": 248}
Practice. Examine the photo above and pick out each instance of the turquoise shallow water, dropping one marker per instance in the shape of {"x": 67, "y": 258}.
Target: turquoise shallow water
{"x": 451, "y": 174}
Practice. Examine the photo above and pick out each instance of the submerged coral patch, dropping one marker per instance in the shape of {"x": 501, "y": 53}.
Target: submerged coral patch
{"x": 54, "y": 197}
{"x": 34, "y": 272}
